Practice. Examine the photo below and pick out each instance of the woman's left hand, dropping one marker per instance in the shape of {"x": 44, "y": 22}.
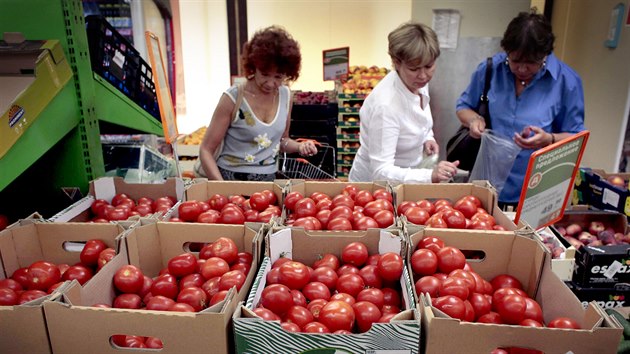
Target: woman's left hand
{"x": 532, "y": 137}
{"x": 431, "y": 147}
{"x": 307, "y": 148}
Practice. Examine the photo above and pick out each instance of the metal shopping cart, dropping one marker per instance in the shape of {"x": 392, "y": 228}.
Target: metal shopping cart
{"x": 301, "y": 168}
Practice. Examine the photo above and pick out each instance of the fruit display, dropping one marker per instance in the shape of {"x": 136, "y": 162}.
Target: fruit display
{"x": 361, "y": 79}
{"x": 42, "y": 277}
{"x": 444, "y": 274}
{"x": 552, "y": 243}
{"x": 309, "y": 97}
{"x": 592, "y": 233}
{"x": 352, "y": 209}
{"x": 234, "y": 209}
{"x": 336, "y": 294}
{"x": 195, "y": 137}
{"x": 466, "y": 213}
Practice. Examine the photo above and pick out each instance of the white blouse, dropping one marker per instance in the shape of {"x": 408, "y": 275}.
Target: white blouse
{"x": 395, "y": 124}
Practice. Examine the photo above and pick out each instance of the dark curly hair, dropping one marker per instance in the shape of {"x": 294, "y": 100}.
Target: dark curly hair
{"x": 528, "y": 35}
{"x": 272, "y": 48}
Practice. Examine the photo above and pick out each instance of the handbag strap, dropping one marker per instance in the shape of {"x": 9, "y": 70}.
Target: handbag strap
{"x": 486, "y": 85}
{"x": 240, "y": 87}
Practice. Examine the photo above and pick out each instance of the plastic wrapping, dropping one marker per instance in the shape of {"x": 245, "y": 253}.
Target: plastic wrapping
{"x": 495, "y": 159}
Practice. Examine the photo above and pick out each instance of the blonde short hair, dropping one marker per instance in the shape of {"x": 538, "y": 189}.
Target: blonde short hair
{"x": 413, "y": 43}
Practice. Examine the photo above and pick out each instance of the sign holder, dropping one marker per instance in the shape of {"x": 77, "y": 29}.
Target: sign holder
{"x": 549, "y": 181}
{"x": 167, "y": 111}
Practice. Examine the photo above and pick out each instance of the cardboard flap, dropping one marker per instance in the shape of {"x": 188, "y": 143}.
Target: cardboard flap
{"x": 107, "y": 187}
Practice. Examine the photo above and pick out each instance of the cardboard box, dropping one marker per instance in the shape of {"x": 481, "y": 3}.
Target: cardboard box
{"x": 599, "y": 266}
{"x": 202, "y": 189}
{"x": 32, "y": 73}
{"x": 253, "y": 335}
{"x": 76, "y": 327}
{"x": 604, "y": 297}
{"x": 528, "y": 261}
{"x": 606, "y": 196}
{"x": 23, "y": 327}
{"x": 107, "y": 187}
{"x": 563, "y": 264}
{"x": 453, "y": 192}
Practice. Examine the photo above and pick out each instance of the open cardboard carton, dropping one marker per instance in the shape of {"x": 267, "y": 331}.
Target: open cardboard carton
{"x": 564, "y": 264}
{"x": 254, "y": 335}
{"x": 107, "y": 187}
{"x": 453, "y": 192}
{"x": 527, "y": 260}
{"x": 202, "y": 189}
{"x": 75, "y": 326}
{"x": 24, "y": 243}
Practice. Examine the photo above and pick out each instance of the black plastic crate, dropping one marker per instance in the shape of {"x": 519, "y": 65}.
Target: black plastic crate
{"x": 118, "y": 62}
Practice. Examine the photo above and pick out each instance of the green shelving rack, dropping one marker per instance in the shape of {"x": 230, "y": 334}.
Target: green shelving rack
{"x": 62, "y": 149}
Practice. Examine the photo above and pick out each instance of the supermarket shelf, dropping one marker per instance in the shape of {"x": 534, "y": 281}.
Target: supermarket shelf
{"x": 114, "y": 107}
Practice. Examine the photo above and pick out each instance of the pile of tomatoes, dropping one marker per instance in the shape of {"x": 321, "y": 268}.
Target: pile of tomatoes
{"x": 466, "y": 213}
{"x": 42, "y": 278}
{"x": 455, "y": 289}
{"x": 336, "y": 295}
{"x": 352, "y": 209}
{"x": 123, "y": 207}
{"x": 234, "y": 209}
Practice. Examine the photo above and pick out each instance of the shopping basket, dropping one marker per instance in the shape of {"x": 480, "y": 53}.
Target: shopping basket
{"x": 301, "y": 168}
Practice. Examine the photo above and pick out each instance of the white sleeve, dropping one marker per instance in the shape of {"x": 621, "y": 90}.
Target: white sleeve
{"x": 384, "y": 128}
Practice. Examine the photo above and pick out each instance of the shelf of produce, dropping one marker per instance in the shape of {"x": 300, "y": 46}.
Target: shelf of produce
{"x": 114, "y": 107}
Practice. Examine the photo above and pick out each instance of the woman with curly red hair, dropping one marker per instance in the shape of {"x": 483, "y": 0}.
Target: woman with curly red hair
{"x": 259, "y": 131}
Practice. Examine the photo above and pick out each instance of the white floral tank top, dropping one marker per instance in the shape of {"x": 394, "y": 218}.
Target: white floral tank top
{"x": 251, "y": 145}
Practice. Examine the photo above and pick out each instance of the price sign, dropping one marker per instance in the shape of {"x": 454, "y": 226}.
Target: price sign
{"x": 336, "y": 63}
{"x": 549, "y": 181}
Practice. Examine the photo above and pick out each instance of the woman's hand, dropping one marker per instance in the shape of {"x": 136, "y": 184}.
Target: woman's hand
{"x": 477, "y": 126}
{"x": 431, "y": 147}
{"x": 307, "y": 148}
{"x": 533, "y": 137}
{"x": 444, "y": 171}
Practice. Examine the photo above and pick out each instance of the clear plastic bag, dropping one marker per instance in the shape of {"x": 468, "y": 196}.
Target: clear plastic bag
{"x": 495, "y": 159}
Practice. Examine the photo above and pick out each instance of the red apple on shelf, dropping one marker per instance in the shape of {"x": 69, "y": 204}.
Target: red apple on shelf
{"x": 574, "y": 230}
{"x": 577, "y": 244}
{"x": 586, "y": 238}
{"x": 562, "y": 230}
{"x": 596, "y": 243}
{"x": 616, "y": 181}
{"x": 595, "y": 227}
{"x": 620, "y": 236}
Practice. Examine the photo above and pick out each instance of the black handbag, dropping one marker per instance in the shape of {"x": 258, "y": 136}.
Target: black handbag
{"x": 462, "y": 146}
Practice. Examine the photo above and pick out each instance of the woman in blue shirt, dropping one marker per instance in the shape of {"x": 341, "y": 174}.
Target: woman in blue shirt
{"x": 534, "y": 97}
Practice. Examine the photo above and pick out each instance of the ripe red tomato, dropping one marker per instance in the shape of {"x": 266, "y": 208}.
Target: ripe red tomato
{"x": 214, "y": 267}
{"x": 390, "y": 266}
{"x": 323, "y": 215}
{"x": 266, "y": 315}
{"x": 113, "y": 214}
{"x": 372, "y": 295}
{"x": 165, "y": 285}
{"x": 455, "y": 219}
{"x": 323, "y": 204}
{"x": 339, "y": 223}
{"x": 427, "y": 205}
{"x": 319, "y": 196}
{"x": 341, "y": 211}
{"x": 350, "y": 284}
{"x": 436, "y": 221}
{"x": 424, "y": 262}
{"x": 259, "y": 201}
{"x": 371, "y": 276}
{"x": 512, "y": 308}
{"x": 160, "y": 303}
{"x": 218, "y": 201}
{"x": 384, "y": 218}
{"x": 533, "y": 310}
{"x": 143, "y": 209}
{"x": 315, "y": 306}
{"x": 277, "y": 298}
{"x": 449, "y": 259}
{"x": 30, "y": 295}
{"x": 299, "y": 315}
{"x": 505, "y": 281}
{"x": 42, "y": 275}
{"x": 315, "y": 327}
{"x": 21, "y": 276}
{"x": 306, "y": 222}
{"x": 291, "y": 199}
{"x": 316, "y": 290}
{"x": 563, "y": 322}
{"x": 233, "y": 278}
{"x": 381, "y": 193}
{"x": 490, "y": 317}
{"x": 91, "y": 250}
{"x": 430, "y": 242}
{"x": 305, "y": 207}
{"x": 10, "y": 284}
{"x": 350, "y": 190}
{"x": 153, "y": 343}
{"x": 454, "y": 286}
{"x": 467, "y": 276}
{"x": 355, "y": 253}
{"x": 118, "y": 198}
{"x": 181, "y": 307}
{"x": 209, "y": 217}
{"x": 97, "y": 205}
{"x": 343, "y": 297}
{"x": 417, "y": 215}
{"x": 232, "y": 215}
{"x": 336, "y": 315}
{"x": 402, "y": 207}
{"x": 365, "y": 223}
{"x": 80, "y": 273}
{"x": 189, "y": 210}
{"x": 327, "y": 260}
{"x": 480, "y": 303}
{"x": 211, "y": 286}
{"x": 451, "y": 305}
{"x": 298, "y": 298}
{"x": 127, "y": 301}
{"x": 193, "y": 296}
{"x": 484, "y": 216}
{"x": 182, "y": 265}
{"x": 366, "y": 313}
{"x": 8, "y": 297}
{"x": 325, "y": 275}
{"x": 363, "y": 197}
{"x": 343, "y": 200}
{"x": 129, "y": 279}
{"x": 295, "y": 275}
{"x": 466, "y": 207}
{"x": 225, "y": 248}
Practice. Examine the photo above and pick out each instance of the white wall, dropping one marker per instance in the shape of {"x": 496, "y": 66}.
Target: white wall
{"x": 605, "y": 73}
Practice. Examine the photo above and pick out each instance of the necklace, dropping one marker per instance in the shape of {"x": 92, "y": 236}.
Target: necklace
{"x": 523, "y": 83}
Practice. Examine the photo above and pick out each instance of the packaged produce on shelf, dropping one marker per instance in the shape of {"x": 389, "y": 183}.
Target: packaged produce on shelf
{"x": 361, "y": 79}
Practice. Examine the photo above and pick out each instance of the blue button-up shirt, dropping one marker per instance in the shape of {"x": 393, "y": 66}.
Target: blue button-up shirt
{"x": 553, "y": 100}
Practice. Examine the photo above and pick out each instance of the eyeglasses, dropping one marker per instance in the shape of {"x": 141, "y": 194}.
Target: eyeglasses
{"x": 533, "y": 65}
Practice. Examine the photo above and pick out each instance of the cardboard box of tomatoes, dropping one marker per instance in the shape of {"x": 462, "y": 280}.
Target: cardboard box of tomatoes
{"x": 255, "y": 335}
{"x": 75, "y": 325}
{"x": 202, "y": 189}
{"x": 528, "y": 261}
{"x": 21, "y": 245}
{"x": 108, "y": 187}
{"x": 451, "y": 193}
